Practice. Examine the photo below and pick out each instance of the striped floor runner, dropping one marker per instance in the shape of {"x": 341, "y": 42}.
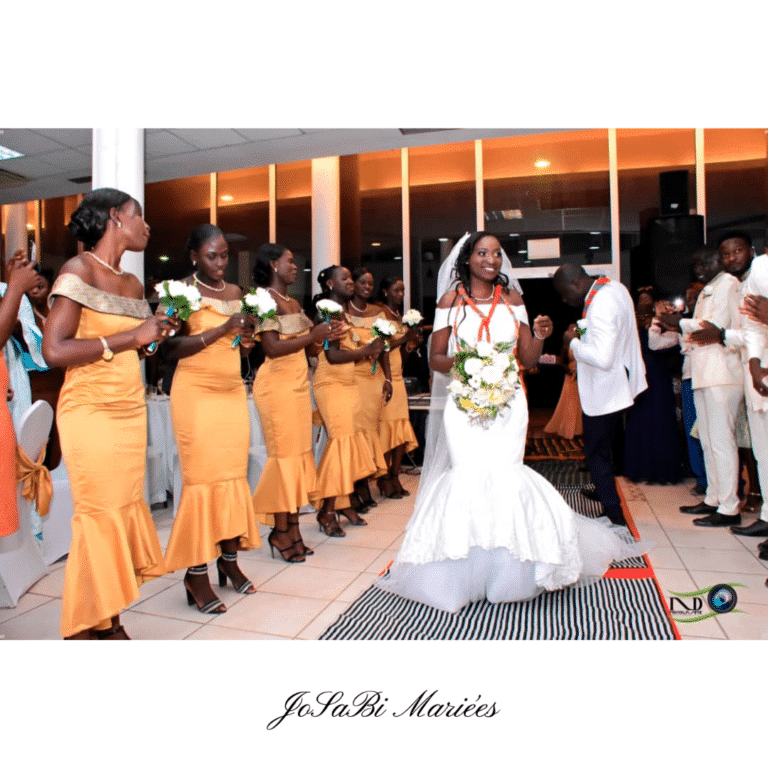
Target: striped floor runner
{"x": 554, "y": 448}
{"x": 626, "y": 604}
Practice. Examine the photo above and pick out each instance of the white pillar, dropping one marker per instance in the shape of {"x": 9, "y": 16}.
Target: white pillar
{"x": 326, "y": 219}
{"x": 15, "y": 215}
{"x": 118, "y": 162}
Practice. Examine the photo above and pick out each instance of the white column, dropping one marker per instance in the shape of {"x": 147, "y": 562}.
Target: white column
{"x": 405, "y": 183}
{"x": 701, "y": 190}
{"x": 118, "y": 162}
{"x": 326, "y": 224}
{"x": 613, "y": 183}
{"x": 479, "y": 188}
{"x": 15, "y": 215}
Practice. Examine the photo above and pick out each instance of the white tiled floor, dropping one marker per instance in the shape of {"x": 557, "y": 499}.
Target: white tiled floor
{"x": 299, "y": 601}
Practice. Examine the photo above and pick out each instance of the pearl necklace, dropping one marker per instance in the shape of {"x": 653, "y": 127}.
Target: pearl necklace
{"x": 277, "y": 293}
{"x": 352, "y": 304}
{"x": 209, "y": 287}
{"x": 104, "y": 263}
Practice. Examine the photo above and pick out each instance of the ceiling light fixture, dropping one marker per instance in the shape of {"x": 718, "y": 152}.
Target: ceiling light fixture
{"x": 163, "y": 258}
{"x": 542, "y": 163}
{"x": 9, "y": 154}
{"x": 375, "y": 245}
{"x": 227, "y": 198}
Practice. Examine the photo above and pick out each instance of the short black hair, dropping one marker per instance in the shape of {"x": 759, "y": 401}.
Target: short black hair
{"x": 731, "y": 233}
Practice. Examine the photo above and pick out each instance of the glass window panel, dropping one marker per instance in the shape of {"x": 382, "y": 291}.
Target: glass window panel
{"x": 736, "y": 182}
{"x": 57, "y": 243}
{"x": 443, "y": 204}
{"x": 381, "y": 214}
{"x": 173, "y": 209}
{"x": 293, "y": 182}
{"x": 565, "y": 198}
{"x": 243, "y": 216}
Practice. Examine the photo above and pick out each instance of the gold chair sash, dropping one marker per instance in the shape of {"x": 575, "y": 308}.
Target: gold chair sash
{"x": 35, "y": 479}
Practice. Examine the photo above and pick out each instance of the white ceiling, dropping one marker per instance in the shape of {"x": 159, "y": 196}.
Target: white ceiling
{"x": 53, "y": 157}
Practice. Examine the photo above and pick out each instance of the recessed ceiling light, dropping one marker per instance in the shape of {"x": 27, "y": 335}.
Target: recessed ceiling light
{"x": 9, "y": 154}
{"x": 443, "y": 239}
{"x": 375, "y": 245}
{"x": 595, "y": 233}
{"x": 227, "y": 198}
{"x": 594, "y": 247}
{"x": 397, "y": 258}
{"x": 542, "y": 163}
{"x": 522, "y": 251}
{"x": 30, "y": 226}
{"x": 163, "y": 258}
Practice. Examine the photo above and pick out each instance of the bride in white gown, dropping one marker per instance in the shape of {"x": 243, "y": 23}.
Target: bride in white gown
{"x": 484, "y": 525}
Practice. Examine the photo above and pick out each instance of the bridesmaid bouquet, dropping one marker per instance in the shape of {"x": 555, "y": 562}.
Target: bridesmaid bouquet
{"x": 329, "y": 310}
{"x": 485, "y": 378}
{"x": 179, "y": 299}
{"x": 259, "y": 303}
{"x": 412, "y": 318}
{"x": 382, "y": 329}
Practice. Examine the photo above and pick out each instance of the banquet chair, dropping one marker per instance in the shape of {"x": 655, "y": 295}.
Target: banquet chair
{"x": 57, "y": 524}
{"x": 21, "y": 557}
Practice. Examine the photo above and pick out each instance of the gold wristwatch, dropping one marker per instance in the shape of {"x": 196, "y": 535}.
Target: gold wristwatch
{"x": 107, "y": 354}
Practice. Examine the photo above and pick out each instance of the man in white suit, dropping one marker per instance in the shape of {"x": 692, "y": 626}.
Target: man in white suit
{"x": 609, "y": 368}
{"x": 717, "y": 378}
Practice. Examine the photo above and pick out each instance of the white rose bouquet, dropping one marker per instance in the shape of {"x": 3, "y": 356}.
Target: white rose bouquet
{"x": 382, "y": 329}
{"x": 259, "y": 303}
{"x": 329, "y": 310}
{"x": 179, "y": 299}
{"x": 412, "y": 318}
{"x": 485, "y": 378}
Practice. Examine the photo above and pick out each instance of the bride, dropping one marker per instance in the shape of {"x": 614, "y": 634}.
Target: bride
{"x": 484, "y": 525}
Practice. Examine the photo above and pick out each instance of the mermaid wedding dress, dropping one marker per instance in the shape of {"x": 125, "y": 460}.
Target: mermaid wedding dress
{"x": 484, "y": 525}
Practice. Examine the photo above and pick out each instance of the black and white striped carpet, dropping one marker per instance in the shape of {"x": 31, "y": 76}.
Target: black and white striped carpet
{"x": 610, "y": 609}
{"x": 626, "y": 605}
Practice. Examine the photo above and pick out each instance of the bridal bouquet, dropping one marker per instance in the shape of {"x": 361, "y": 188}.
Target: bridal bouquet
{"x": 258, "y": 303}
{"x": 412, "y": 318}
{"x": 179, "y": 299}
{"x": 329, "y": 310}
{"x": 382, "y": 329}
{"x": 485, "y": 378}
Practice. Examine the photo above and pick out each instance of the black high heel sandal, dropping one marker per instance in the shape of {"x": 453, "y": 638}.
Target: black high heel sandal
{"x": 351, "y": 514}
{"x": 297, "y": 540}
{"x": 365, "y": 499}
{"x": 330, "y": 525}
{"x": 212, "y": 606}
{"x": 386, "y": 488}
{"x": 296, "y": 557}
{"x": 115, "y": 632}
{"x": 245, "y": 587}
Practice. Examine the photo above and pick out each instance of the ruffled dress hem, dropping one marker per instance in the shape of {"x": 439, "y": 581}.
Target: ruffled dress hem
{"x": 284, "y": 486}
{"x": 396, "y": 433}
{"x": 346, "y": 459}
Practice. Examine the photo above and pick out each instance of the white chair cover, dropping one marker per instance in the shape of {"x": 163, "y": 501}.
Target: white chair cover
{"x": 21, "y": 557}
{"x": 57, "y": 524}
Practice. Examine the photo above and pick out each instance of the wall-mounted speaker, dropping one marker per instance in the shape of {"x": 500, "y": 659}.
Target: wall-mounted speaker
{"x": 673, "y": 193}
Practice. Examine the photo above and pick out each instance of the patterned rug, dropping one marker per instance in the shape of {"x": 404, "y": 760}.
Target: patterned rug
{"x": 626, "y": 604}
{"x": 554, "y": 447}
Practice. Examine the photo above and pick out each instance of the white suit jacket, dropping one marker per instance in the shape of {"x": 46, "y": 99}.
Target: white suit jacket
{"x": 610, "y": 368}
{"x": 714, "y": 365}
{"x": 754, "y": 334}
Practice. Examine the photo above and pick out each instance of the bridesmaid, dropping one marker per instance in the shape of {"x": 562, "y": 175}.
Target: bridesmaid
{"x": 21, "y": 278}
{"x": 375, "y": 388}
{"x": 347, "y": 457}
{"x": 98, "y": 320}
{"x": 281, "y": 394}
{"x": 395, "y": 430}
{"x": 209, "y": 410}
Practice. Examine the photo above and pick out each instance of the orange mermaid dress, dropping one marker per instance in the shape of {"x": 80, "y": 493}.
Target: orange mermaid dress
{"x": 102, "y": 422}
{"x": 347, "y": 457}
{"x": 9, "y": 514}
{"x": 395, "y": 427}
{"x": 209, "y": 412}
{"x": 566, "y": 420}
{"x": 281, "y": 394}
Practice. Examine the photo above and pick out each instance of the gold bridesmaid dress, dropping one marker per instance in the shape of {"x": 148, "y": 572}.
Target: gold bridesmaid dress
{"x": 209, "y": 411}
{"x": 102, "y": 422}
{"x": 281, "y": 394}
{"x": 395, "y": 427}
{"x": 370, "y": 387}
{"x": 566, "y": 420}
{"x": 347, "y": 457}
{"x": 9, "y": 515}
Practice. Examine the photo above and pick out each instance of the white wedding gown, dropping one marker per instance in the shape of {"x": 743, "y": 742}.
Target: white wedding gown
{"x": 485, "y": 525}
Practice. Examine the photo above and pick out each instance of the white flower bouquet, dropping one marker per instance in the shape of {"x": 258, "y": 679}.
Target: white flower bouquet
{"x": 179, "y": 299}
{"x": 259, "y": 303}
{"x": 484, "y": 379}
{"x": 382, "y": 329}
{"x": 329, "y": 310}
{"x": 412, "y": 318}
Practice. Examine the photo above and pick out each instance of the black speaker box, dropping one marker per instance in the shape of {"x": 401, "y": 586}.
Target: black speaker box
{"x": 672, "y": 241}
{"x": 673, "y": 193}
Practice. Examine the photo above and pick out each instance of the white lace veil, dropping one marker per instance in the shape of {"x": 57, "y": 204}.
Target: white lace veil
{"x": 436, "y": 459}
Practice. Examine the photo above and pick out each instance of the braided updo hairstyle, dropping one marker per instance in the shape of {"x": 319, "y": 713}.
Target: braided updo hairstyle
{"x": 262, "y": 268}
{"x": 461, "y": 268}
{"x": 89, "y": 221}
